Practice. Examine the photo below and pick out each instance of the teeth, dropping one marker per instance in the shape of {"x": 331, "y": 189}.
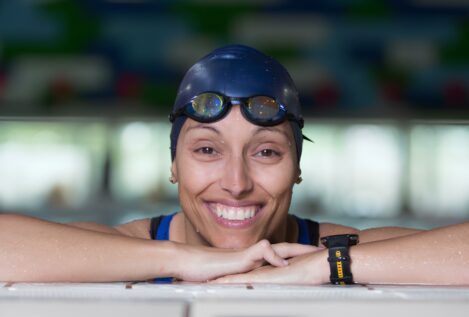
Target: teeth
{"x": 234, "y": 213}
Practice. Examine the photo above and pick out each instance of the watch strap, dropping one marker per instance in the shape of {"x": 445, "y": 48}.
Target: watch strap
{"x": 339, "y": 262}
{"x": 339, "y": 258}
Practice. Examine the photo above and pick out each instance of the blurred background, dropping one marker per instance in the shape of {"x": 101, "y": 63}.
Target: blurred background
{"x": 86, "y": 87}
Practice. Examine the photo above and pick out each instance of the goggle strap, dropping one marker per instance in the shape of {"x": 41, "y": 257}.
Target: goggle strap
{"x": 307, "y": 139}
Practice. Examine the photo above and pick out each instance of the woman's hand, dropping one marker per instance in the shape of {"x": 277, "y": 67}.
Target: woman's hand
{"x": 200, "y": 264}
{"x": 311, "y": 268}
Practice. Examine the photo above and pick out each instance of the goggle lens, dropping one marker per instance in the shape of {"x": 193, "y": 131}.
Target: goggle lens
{"x": 263, "y": 107}
{"x": 207, "y": 105}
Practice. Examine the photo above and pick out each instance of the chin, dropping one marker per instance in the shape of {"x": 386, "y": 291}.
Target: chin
{"x": 233, "y": 243}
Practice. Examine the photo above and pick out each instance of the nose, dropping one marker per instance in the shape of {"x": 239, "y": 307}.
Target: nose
{"x": 236, "y": 178}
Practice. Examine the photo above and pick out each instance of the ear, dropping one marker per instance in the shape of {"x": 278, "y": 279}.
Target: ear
{"x": 298, "y": 178}
{"x": 174, "y": 169}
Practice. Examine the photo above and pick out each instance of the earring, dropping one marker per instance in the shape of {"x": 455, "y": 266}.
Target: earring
{"x": 299, "y": 179}
{"x": 172, "y": 179}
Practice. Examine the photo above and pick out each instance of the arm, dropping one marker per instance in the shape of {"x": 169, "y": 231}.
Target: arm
{"x": 93, "y": 227}
{"x": 378, "y": 234}
{"x": 34, "y": 250}
{"x": 37, "y": 250}
{"x": 439, "y": 257}
{"x": 136, "y": 228}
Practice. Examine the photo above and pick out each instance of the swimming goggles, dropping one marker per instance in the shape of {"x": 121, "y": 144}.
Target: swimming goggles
{"x": 260, "y": 110}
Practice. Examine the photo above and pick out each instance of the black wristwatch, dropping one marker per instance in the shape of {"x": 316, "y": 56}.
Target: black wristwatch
{"x": 339, "y": 259}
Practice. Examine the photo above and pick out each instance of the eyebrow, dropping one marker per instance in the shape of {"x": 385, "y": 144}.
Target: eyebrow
{"x": 257, "y": 131}
{"x": 204, "y": 126}
{"x": 272, "y": 129}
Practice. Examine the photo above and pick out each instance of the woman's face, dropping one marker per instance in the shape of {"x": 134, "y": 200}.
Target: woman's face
{"x": 235, "y": 180}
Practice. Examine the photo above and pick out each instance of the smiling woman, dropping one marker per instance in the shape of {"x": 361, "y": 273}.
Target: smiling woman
{"x": 236, "y": 145}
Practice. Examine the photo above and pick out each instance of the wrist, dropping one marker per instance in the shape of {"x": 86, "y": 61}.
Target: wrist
{"x": 166, "y": 258}
{"x": 319, "y": 268}
{"x": 325, "y": 270}
{"x": 176, "y": 254}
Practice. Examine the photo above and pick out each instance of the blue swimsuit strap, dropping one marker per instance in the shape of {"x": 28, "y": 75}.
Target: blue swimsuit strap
{"x": 308, "y": 231}
{"x": 163, "y": 229}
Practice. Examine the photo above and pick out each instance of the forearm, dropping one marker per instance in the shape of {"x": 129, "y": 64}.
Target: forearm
{"x": 93, "y": 227}
{"x": 375, "y": 234}
{"x": 35, "y": 250}
{"x": 439, "y": 256}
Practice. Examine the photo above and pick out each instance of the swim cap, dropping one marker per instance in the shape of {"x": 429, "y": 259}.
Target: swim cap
{"x": 238, "y": 71}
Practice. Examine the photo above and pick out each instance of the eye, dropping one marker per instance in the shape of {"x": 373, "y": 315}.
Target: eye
{"x": 205, "y": 150}
{"x": 267, "y": 153}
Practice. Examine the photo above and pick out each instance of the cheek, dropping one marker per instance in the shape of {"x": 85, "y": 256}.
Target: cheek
{"x": 276, "y": 180}
{"x": 194, "y": 177}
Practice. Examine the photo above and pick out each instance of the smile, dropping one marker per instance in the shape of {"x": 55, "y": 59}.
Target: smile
{"x": 239, "y": 213}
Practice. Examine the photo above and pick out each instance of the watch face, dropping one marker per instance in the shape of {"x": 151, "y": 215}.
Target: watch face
{"x": 340, "y": 240}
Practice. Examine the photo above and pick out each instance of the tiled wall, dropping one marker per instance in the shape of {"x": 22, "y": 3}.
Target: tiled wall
{"x": 349, "y": 58}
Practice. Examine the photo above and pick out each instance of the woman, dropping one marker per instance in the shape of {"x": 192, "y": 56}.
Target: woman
{"x": 236, "y": 145}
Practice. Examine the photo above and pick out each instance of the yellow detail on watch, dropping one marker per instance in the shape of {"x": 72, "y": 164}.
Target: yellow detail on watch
{"x": 340, "y": 271}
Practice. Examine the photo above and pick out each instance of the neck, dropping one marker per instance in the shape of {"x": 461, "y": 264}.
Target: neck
{"x": 182, "y": 231}
{"x": 191, "y": 234}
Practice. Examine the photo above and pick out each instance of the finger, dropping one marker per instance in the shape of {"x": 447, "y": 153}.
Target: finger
{"x": 268, "y": 253}
{"x": 288, "y": 250}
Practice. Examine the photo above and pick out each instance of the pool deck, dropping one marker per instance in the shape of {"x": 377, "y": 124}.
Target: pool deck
{"x": 258, "y": 300}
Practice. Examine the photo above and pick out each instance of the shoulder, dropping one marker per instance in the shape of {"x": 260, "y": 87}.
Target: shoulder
{"x": 137, "y": 229}
{"x": 141, "y": 228}
{"x": 329, "y": 229}
{"x": 319, "y": 230}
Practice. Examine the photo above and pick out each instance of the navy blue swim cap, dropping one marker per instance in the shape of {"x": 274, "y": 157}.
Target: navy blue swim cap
{"x": 238, "y": 71}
